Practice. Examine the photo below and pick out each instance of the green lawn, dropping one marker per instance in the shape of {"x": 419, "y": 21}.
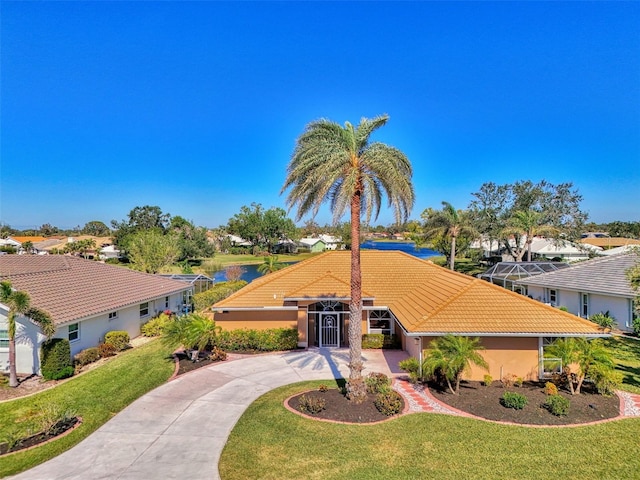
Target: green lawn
{"x": 626, "y": 353}
{"x": 269, "y": 442}
{"x": 96, "y": 396}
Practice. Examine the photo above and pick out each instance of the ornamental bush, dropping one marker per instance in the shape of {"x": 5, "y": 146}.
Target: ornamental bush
{"x": 119, "y": 339}
{"x": 155, "y": 327}
{"x": 379, "y": 340}
{"x": 55, "y": 355}
{"x": 106, "y": 350}
{"x": 412, "y": 367}
{"x": 557, "y": 405}
{"x": 269, "y": 340}
{"x": 550, "y": 388}
{"x": 513, "y": 400}
{"x": 388, "y": 403}
{"x": 87, "y": 356}
{"x": 311, "y": 404}
{"x": 377, "y": 383}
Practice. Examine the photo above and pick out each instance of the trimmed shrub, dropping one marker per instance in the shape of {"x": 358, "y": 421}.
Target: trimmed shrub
{"x": 377, "y": 383}
{"x": 513, "y": 400}
{"x": 55, "y": 355}
{"x": 379, "y": 340}
{"x": 310, "y": 404}
{"x": 412, "y": 367}
{"x": 603, "y": 320}
{"x": 487, "y": 380}
{"x": 218, "y": 355}
{"x": 87, "y": 356}
{"x": 216, "y": 293}
{"x": 388, "y": 403}
{"x": 557, "y": 405}
{"x": 519, "y": 382}
{"x": 119, "y": 339}
{"x": 550, "y": 388}
{"x": 269, "y": 340}
{"x": 155, "y": 327}
{"x": 322, "y": 388}
{"x": 106, "y": 350}
{"x": 606, "y": 379}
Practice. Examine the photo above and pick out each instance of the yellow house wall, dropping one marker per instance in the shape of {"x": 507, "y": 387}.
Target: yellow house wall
{"x": 505, "y": 355}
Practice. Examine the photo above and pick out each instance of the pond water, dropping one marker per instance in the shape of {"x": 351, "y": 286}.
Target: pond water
{"x": 251, "y": 271}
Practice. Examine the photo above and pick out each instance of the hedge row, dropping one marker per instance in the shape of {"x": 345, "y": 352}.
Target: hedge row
{"x": 269, "y": 340}
{"x": 216, "y": 293}
{"x": 379, "y": 340}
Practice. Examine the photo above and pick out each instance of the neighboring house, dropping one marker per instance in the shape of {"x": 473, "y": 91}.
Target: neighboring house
{"x": 109, "y": 251}
{"x": 85, "y": 299}
{"x": 237, "y": 241}
{"x": 507, "y": 274}
{"x": 313, "y": 244}
{"x": 594, "y": 286}
{"x": 285, "y": 246}
{"x": 406, "y": 296}
{"x": 10, "y": 242}
{"x": 563, "y": 249}
{"x": 331, "y": 242}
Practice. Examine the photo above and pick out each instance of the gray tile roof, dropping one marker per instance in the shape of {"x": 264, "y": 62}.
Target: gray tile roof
{"x": 71, "y": 288}
{"x": 601, "y": 275}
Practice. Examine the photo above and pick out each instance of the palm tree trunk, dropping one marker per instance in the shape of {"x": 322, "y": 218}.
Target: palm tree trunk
{"x": 528, "y": 250}
{"x": 453, "y": 253}
{"x": 13, "y": 376}
{"x": 356, "y": 388}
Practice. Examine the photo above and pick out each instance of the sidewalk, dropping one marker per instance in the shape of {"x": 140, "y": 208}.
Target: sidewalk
{"x": 178, "y": 430}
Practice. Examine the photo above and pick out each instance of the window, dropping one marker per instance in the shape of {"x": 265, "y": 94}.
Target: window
{"x": 380, "y": 322}
{"x": 4, "y": 339}
{"x": 166, "y": 303}
{"x": 634, "y": 312}
{"x": 74, "y": 332}
{"x": 584, "y": 305}
{"x": 113, "y": 315}
{"x": 144, "y": 309}
{"x": 553, "y": 297}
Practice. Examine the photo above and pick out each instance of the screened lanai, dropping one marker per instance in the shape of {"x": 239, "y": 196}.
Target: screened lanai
{"x": 201, "y": 283}
{"x": 506, "y": 274}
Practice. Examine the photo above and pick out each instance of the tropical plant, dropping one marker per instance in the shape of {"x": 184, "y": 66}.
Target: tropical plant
{"x": 450, "y": 224}
{"x": 452, "y": 355}
{"x": 19, "y": 303}
{"x": 270, "y": 265}
{"x": 591, "y": 356}
{"x": 149, "y": 250}
{"x": 528, "y": 224}
{"x": 341, "y": 165}
{"x": 604, "y": 320}
{"x": 202, "y": 332}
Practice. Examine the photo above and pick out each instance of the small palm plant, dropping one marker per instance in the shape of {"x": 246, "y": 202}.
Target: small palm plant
{"x": 270, "y": 265}
{"x": 193, "y": 332}
{"x": 453, "y": 355}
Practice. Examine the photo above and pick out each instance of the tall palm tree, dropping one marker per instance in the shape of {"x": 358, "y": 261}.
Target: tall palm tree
{"x": 19, "y": 303}
{"x": 527, "y": 223}
{"x": 453, "y": 355}
{"x": 451, "y": 223}
{"x": 340, "y": 165}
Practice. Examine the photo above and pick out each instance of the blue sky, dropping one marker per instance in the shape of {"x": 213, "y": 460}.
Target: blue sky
{"x": 195, "y": 106}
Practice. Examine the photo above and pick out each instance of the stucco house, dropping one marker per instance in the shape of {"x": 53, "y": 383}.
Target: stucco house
{"x": 85, "y": 299}
{"x": 408, "y": 297}
{"x": 313, "y": 244}
{"x": 594, "y": 286}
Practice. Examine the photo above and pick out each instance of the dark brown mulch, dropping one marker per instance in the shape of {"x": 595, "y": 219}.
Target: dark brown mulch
{"x": 57, "y": 430}
{"x": 484, "y": 402}
{"x": 340, "y": 409}
{"x": 185, "y": 364}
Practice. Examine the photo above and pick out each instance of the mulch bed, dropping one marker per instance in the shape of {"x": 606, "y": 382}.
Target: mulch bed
{"x": 185, "y": 364}
{"x": 484, "y": 402}
{"x": 42, "y": 437}
{"x": 340, "y": 409}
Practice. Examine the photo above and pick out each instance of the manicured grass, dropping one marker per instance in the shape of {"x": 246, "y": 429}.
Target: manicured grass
{"x": 269, "y": 442}
{"x": 626, "y": 353}
{"x": 96, "y": 396}
{"x": 226, "y": 260}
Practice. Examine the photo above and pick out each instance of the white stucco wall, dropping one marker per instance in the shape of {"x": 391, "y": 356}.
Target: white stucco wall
{"x": 91, "y": 332}
{"x": 618, "y": 307}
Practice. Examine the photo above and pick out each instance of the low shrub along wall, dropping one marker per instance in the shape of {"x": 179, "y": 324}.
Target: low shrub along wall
{"x": 55, "y": 356}
{"x": 269, "y": 340}
{"x": 379, "y": 340}
{"x": 216, "y": 293}
{"x": 119, "y": 339}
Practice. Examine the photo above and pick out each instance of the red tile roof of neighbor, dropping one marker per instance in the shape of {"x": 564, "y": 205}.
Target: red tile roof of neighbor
{"x": 71, "y": 288}
{"x": 424, "y": 297}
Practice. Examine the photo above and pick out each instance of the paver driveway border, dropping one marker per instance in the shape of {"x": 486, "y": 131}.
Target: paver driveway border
{"x": 178, "y": 430}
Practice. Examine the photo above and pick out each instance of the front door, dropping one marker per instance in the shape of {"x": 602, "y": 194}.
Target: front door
{"x": 329, "y": 330}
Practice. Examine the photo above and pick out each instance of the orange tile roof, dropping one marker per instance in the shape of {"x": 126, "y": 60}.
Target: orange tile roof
{"x": 610, "y": 241}
{"x": 71, "y": 288}
{"x": 424, "y": 297}
{"x": 31, "y": 238}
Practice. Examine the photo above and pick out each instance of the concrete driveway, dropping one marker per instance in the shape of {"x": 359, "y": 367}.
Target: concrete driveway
{"x": 179, "y": 429}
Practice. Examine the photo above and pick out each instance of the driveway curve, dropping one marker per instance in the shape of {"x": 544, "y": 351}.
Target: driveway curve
{"x": 178, "y": 430}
